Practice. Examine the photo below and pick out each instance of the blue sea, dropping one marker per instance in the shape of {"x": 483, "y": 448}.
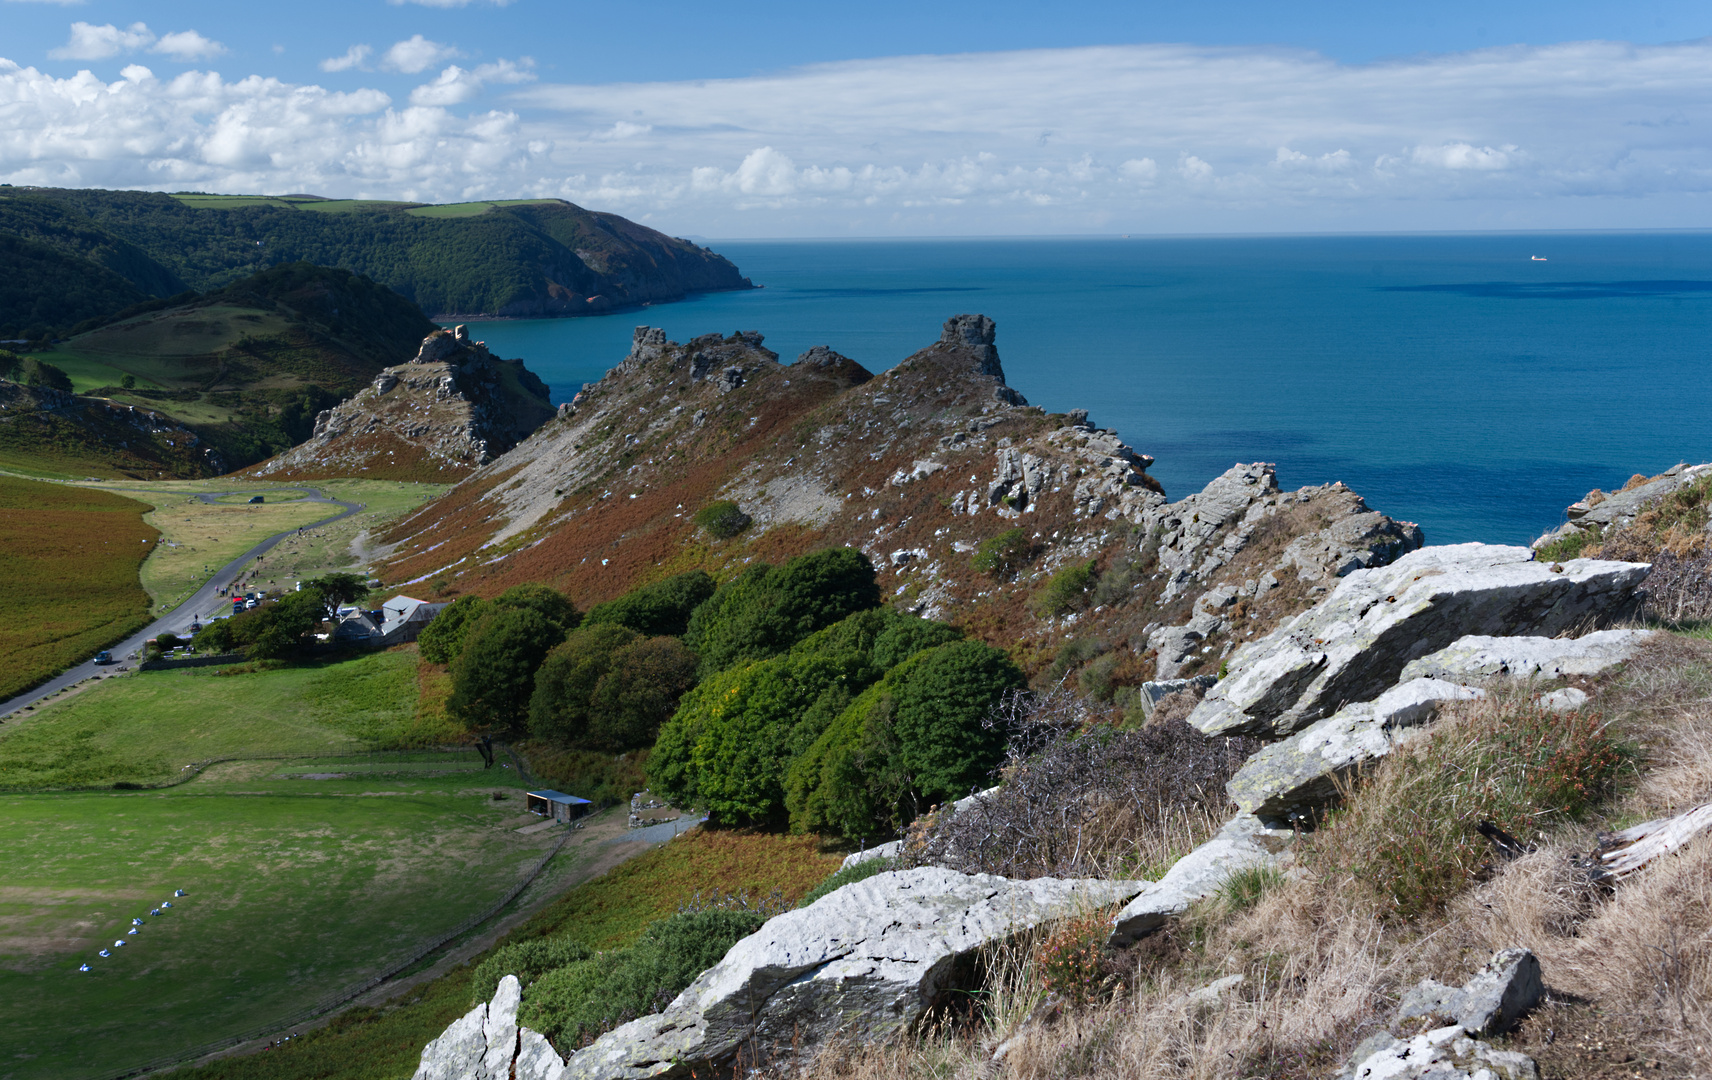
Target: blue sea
{"x": 1453, "y": 380}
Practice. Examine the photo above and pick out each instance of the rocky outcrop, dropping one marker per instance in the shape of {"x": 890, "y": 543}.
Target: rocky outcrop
{"x": 1599, "y": 512}
{"x": 1442, "y": 1054}
{"x": 1483, "y": 657}
{"x": 1357, "y": 642}
{"x": 1490, "y": 1002}
{"x": 1287, "y": 782}
{"x": 132, "y": 441}
{"x": 1243, "y": 844}
{"x": 452, "y": 409}
{"x": 1493, "y": 1000}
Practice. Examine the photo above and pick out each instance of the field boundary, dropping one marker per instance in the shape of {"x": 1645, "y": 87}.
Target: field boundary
{"x": 195, "y": 769}
{"x": 333, "y": 1001}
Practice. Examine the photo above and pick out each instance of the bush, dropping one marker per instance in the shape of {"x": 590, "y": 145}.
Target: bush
{"x": 728, "y": 746}
{"x": 920, "y": 736}
{"x": 494, "y": 676}
{"x": 1068, "y": 590}
{"x": 607, "y": 688}
{"x": 1071, "y": 958}
{"x": 549, "y": 603}
{"x": 579, "y": 1001}
{"x": 862, "y": 871}
{"x": 528, "y": 960}
{"x": 1003, "y": 555}
{"x": 443, "y": 638}
{"x": 663, "y": 608}
{"x": 722, "y": 520}
{"x": 1410, "y": 835}
{"x": 768, "y": 609}
{"x": 886, "y": 636}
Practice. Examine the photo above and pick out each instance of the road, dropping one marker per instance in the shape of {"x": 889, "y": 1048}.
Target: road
{"x": 178, "y": 620}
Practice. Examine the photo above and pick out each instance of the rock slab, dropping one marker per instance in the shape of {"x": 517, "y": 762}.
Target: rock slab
{"x": 1294, "y": 779}
{"x": 1245, "y": 842}
{"x": 487, "y": 1044}
{"x": 1356, "y": 643}
{"x": 861, "y": 963}
{"x": 1496, "y": 997}
{"x": 1442, "y": 1054}
{"x": 1478, "y": 656}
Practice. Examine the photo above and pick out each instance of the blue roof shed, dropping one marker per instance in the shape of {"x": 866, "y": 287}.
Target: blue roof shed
{"x": 557, "y": 805}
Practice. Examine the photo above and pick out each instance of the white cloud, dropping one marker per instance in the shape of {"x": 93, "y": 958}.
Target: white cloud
{"x": 454, "y": 86}
{"x": 416, "y": 54}
{"x": 1143, "y": 138}
{"x": 187, "y": 45}
{"x": 354, "y": 57}
{"x": 91, "y": 42}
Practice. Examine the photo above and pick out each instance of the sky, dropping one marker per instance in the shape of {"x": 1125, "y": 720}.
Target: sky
{"x": 889, "y": 118}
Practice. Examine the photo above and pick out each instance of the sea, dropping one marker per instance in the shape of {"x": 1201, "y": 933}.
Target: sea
{"x": 1473, "y": 383}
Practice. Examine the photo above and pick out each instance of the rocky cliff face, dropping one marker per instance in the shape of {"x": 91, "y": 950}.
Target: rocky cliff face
{"x": 918, "y": 467}
{"x": 452, "y": 409}
{"x": 100, "y": 437}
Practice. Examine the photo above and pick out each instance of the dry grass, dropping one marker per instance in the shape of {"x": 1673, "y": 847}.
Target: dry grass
{"x": 1628, "y": 969}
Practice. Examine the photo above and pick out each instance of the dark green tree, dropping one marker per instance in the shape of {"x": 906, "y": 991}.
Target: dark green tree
{"x": 564, "y": 687}
{"x": 768, "y": 609}
{"x": 661, "y": 608}
{"x": 548, "y": 602}
{"x": 443, "y": 638}
{"x": 494, "y": 675}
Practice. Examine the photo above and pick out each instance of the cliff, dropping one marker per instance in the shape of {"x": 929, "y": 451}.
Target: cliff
{"x": 451, "y": 409}
{"x": 1042, "y": 533}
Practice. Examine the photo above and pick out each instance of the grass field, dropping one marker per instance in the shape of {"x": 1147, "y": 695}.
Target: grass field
{"x": 144, "y": 728}
{"x": 69, "y": 557}
{"x": 198, "y": 538}
{"x": 471, "y": 209}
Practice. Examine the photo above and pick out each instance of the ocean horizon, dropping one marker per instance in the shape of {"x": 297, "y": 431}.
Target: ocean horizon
{"x": 1475, "y": 383}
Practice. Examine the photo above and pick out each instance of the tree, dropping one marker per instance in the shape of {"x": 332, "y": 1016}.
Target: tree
{"x": 662, "y": 608}
{"x": 637, "y": 696}
{"x": 1003, "y": 555}
{"x": 768, "y": 609}
{"x": 728, "y": 746}
{"x": 565, "y": 684}
{"x": 549, "y": 603}
{"x": 443, "y": 638}
{"x": 920, "y": 736}
{"x": 336, "y": 589}
{"x": 494, "y": 674}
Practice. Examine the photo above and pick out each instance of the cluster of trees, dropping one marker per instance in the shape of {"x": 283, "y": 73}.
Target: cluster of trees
{"x": 284, "y": 626}
{"x": 786, "y": 694}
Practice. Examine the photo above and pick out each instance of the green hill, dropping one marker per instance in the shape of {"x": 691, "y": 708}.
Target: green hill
{"x": 519, "y": 257}
{"x": 246, "y": 368}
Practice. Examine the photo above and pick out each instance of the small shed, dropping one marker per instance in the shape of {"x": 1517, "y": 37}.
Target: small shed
{"x": 557, "y": 805}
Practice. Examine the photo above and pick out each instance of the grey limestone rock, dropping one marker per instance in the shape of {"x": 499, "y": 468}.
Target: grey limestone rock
{"x": 1151, "y": 693}
{"x": 1356, "y": 642}
{"x": 1293, "y": 779}
{"x": 861, "y": 963}
{"x": 459, "y": 1051}
{"x": 487, "y": 1044}
{"x": 500, "y": 1031}
{"x": 1620, "y": 507}
{"x": 536, "y": 1058}
{"x": 1566, "y": 700}
{"x": 1479, "y": 656}
{"x": 1442, "y": 1054}
{"x": 975, "y": 332}
{"x": 1496, "y": 997}
{"x": 1353, "y": 543}
{"x": 436, "y": 347}
{"x": 1243, "y": 843}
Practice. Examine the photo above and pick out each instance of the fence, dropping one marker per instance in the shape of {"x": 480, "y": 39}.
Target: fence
{"x": 375, "y": 761}
{"x": 331, "y": 1002}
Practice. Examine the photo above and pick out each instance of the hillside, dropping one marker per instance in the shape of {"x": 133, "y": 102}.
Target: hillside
{"x": 1038, "y": 532}
{"x": 244, "y": 368}
{"x": 524, "y": 257}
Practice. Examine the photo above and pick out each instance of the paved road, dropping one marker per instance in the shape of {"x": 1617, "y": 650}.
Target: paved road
{"x": 201, "y": 603}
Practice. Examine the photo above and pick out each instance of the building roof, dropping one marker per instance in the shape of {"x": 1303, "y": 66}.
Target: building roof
{"x": 405, "y": 609}
{"x": 560, "y": 797}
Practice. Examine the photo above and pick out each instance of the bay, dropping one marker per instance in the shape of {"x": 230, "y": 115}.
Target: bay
{"x": 1453, "y": 380}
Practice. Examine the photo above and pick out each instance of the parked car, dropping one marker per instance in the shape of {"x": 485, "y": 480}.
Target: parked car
{"x": 103, "y": 657}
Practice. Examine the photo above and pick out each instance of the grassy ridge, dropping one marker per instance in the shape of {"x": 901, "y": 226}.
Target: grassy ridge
{"x": 69, "y": 558}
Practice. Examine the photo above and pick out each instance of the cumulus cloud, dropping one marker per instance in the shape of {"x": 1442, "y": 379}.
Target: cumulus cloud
{"x": 454, "y": 86}
{"x": 355, "y": 57}
{"x": 1142, "y": 138}
{"x": 187, "y": 45}
{"x": 91, "y": 42}
{"x": 416, "y": 54}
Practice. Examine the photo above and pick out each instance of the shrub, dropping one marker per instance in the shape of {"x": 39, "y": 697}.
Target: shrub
{"x": 663, "y": 608}
{"x": 862, "y": 871}
{"x": 722, "y": 520}
{"x": 1071, "y": 957}
{"x": 1410, "y": 835}
{"x": 443, "y": 638}
{"x": 589, "y": 996}
{"x": 1068, "y": 590}
{"x": 494, "y": 675}
{"x": 920, "y": 736}
{"x": 1003, "y": 555}
{"x": 733, "y": 737}
{"x": 606, "y": 688}
{"x": 549, "y": 603}
{"x": 886, "y": 636}
{"x": 528, "y": 960}
{"x": 768, "y": 609}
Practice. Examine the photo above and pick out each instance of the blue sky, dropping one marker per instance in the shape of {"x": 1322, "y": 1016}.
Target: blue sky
{"x": 887, "y": 118}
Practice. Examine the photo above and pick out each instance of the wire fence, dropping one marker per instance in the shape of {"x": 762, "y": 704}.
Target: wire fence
{"x": 333, "y": 1001}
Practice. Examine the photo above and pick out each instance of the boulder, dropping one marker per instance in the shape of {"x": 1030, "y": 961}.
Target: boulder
{"x": 1293, "y": 779}
{"x": 1442, "y": 1054}
{"x": 1493, "y": 1000}
{"x": 861, "y": 963}
{"x": 1243, "y": 843}
{"x": 1478, "y": 656}
{"x": 1151, "y": 693}
{"x": 481, "y": 1044}
{"x": 1355, "y": 643}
